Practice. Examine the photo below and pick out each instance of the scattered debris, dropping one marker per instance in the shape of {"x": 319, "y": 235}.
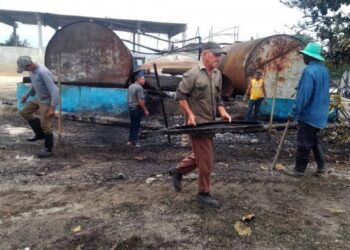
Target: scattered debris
{"x": 333, "y": 135}
{"x": 223, "y": 164}
{"x": 242, "y": 229}
{"x": 335, "y": 210}
{"x": 40, "y": 173}
{"x": 150, "y": 180}
{"x": 24, "y": 158}
{"x": 14, "y": 131}
{"x": 264, "y": 168}
{"x": 190, "y": 176}
{"x": 254, "y": 141}
{"x": 2, "y": 147}
{"x": 140, "y": 158}
{"x": 76, "y": 229}
{"x": 7, "y": 103}
{"x": 248, "y": 217}
{"x": 119, "y": 176}
{"x": 337, "y": 134}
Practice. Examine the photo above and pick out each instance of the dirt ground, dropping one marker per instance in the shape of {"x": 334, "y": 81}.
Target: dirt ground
{"x": 94, "y": 193}
{"x": 8, "y": 86}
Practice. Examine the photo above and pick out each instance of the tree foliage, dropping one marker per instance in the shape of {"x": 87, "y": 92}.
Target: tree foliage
{"x": 12, "y": 41}
{"x": 329, "y": 20}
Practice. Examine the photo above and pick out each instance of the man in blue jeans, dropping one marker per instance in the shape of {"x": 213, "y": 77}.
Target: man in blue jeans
{"x": 310, "y": 111}
{"x": 137, "y": 108}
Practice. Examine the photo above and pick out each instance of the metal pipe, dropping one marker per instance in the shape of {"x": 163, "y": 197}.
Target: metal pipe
{"x": 200, "y": 49}
{"x": 166, "y": 40}
{"x": 15, "y": 35}
{"x": 161, "y": 100}
{"x": 40, "y": 33}
{"x": 60, "y": 127}
{"x": 273, "y": 103}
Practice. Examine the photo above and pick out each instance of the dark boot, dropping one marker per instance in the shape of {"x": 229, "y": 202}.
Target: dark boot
{"x": 47, "y": 151}
{"x": 301, "y": 164}
{"x": 206, "y": 199}
{"x": 38, "y": 132}
{"x": 291, "y": 171}
{"x": 302, "y": 159}
{"x": 320, "y": 159}
{"x": 177, "y": 178}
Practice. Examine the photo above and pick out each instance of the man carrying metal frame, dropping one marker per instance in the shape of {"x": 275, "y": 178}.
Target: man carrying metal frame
{"x": 199, "y": 97}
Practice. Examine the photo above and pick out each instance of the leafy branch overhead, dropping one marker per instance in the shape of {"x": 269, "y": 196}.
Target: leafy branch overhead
{"x": 330, "y": 21}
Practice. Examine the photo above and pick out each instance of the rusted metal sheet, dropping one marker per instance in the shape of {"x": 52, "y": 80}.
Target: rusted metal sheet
{"x": 277, "y": 56}
{"x": 171, "y": 64}
{"x": 91, "y": 55}
{"x": 209, "y": 128}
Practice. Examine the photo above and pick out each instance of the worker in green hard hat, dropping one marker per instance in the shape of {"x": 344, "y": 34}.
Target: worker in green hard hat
{"x": 310, "y": 110}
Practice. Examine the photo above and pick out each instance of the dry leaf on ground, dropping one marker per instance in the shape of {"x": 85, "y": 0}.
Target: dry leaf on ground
{"x": 279, "y": 167}
{"x": 242, "y": 229}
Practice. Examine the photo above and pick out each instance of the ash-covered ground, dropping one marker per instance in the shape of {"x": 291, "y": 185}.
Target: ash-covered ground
{"x": 97, "y": 193}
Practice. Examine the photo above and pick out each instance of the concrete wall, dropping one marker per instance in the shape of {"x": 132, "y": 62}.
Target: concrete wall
{"x": 9, "y": 55}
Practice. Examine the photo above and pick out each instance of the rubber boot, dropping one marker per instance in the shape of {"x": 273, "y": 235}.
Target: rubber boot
{"x": 302, "y": 159}
{"x": 177, "y": 178}
{"x": 38, "y": 132}
{"x": 294, "y": 171}
{"x": 207, "y": 200}
{"x": 47, "y": 151}
{"x": 320, "y": 159}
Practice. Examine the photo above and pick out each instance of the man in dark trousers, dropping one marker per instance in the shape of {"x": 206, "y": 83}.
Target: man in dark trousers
{"x": 310, "y": 111}
{"x": 137, "y": 107}
{"x": 45, "y": 100}
{"x": 199, "y": 97}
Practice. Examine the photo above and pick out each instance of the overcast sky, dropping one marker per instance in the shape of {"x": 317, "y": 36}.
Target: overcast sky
{"x": 255, "y": 18}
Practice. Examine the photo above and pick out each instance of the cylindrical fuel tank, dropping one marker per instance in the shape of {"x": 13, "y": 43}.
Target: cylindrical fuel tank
{"x": 91, "y": 55}
{"x": 277, "y": 56}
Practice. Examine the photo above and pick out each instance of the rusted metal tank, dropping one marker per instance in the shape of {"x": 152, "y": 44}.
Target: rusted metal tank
{"x": 277, "y": 56}
{"x": 174, "y": 64}
{"x": 170, "y": 68}
{"x": 91, "y": 55}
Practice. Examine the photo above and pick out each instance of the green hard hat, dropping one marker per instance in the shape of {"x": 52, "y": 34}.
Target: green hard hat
{"x": 313, "y": 50}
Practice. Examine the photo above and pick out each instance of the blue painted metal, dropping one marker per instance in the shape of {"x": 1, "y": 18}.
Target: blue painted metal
{"x": 282, "y": 108}
{"x": 86, "y": 99}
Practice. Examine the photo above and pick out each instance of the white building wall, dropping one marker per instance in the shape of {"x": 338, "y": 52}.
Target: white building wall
{"x": 9, "y": 55}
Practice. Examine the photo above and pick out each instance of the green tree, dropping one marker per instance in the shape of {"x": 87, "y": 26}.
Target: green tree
{"x": 329, "y": 20}
{"x": 12, "y": 41}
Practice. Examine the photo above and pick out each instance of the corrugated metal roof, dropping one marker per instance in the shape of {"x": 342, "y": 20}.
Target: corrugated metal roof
{"x": 56, "y": 21}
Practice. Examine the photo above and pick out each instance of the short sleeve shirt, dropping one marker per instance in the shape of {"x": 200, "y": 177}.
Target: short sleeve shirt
{"x": 135, "y": 93}
{"x": 202, "y": 92}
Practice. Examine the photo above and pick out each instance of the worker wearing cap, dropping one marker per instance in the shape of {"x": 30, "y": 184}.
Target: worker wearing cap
{"x": 256, "y": 92}
{"x": 199, "y": 97}
{"x": 45, "y": 100}
{"x": 137, "y": 107}
{"x": 310, "y": 110}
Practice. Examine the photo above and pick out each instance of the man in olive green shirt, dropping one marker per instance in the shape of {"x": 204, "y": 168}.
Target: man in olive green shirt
{"x": 199, "y": 97}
